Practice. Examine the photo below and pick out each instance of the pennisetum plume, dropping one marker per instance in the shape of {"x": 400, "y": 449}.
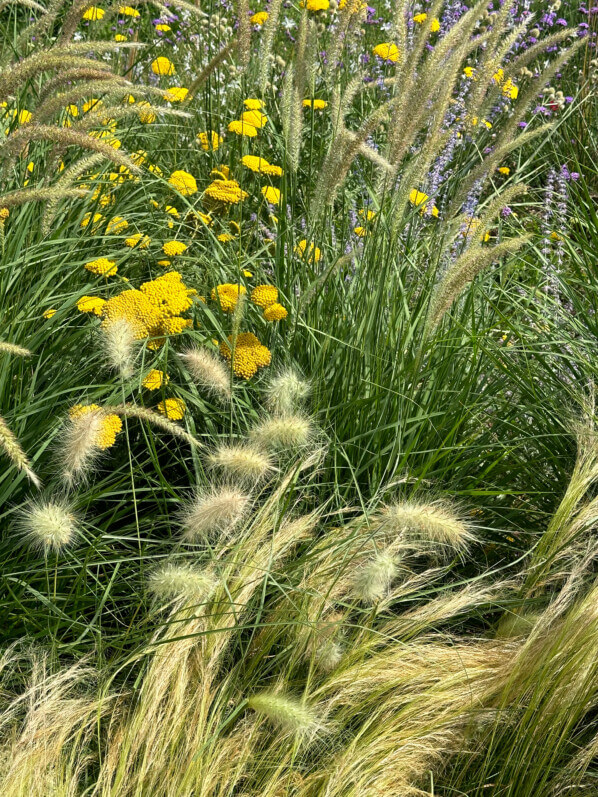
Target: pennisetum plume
{"x": 243, "y": 462}
{"x": 174, "y": 581}
{"x": 286, "y": 392}
{"x": 213, "y": 511}
{"x": 435, "y": 528}
{"x": 48, "y": 525}
{"x": 208, "y": 371}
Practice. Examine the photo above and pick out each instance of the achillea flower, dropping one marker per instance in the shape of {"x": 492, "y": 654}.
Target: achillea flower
{"x": 313, "y": 253}
{"x": 138, "y": 240}
{"x": 251, "y": 103}
{"x": 227, "y": 192}
{"x": 93, "y": 14}
{"x": 249, "y": 354}
{"x": 317, "y": 105}
{"x": 255, "y": 118}
{"x": 174, "y": 248}
{"x": 116, "y": 225}
{"x": 173, "y": 408}
{"x": 91, "y": 304}
{"x": 227, "y": 295}
{"x": 264, "y": 295}
{"x": 387, "y": 51}
{"x": 181, "y": 581}
{"x": 163, "y": 66}
{"x": 137, "y": 308}
{"x": 146, "y": 114}
{"x": 225, "y": 237}
{"x": 504, "y": 170}
{"x": 242, "y": 128}
{"x": 213, "y": 511}
{"x": 176, "y": 94}
{"x": 286, "y": 392}
{"x": 49, "y": 313}
{"x": 168, "y": 294}
{"x": 48, "y": 525}
{"x": 174, "y": 326}
{"x": 208, "y": 371}
{"x": 259, "y": 18}
{"x": 102, "y": 267}
{"x": 127, "y": 11}
{"x": 275, "y": 312}
{"x": 209, "y": 140}
{"x": 418, "y": 198}
{"x": 155, "y": 380}
{"x": 284, "y": 432}
{"x": 361, "y": 232}
{"x": 183, "y": 182}
{"x": 110, "y": 425}
{"x": 242, "y": 462}
{"x": 261, "y": 166}
{"x": 271, "y": 194}
{"x": 93, "y": 219}
{"x": 356, "y": 6}
{"x": 315, "y": 5}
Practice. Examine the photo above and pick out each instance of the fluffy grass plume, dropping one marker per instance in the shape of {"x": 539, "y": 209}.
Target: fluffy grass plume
{"x": 185, "y": 582}
{"x": 282, "y": 432}
{"x": 119, "y": 346}
{"x": 13, "y": 450}
{"x": 435, "y": 527}
{"x": 48, "y": 525}
{"x": 78, "y": 444}
{"x": 12, "y": 348}
{"x": 213, "y": 511}
{"x": 208, "y": 371}
{"x": 286, "y": 392}
{"x": 243, "y": 462}
{"x": 373, "y": 579}
{"x": 286, "y": 713}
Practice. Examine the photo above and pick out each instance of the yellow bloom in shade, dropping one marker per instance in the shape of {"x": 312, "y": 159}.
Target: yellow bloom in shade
{"x": 275, "y": 312}
{"x": 183, "y": 182}
{"x": 173, "y": 248}
{"x": 173, "y": 408}
{"x": 49, "y": 313}
{"x": 315, "y": 5}
{"x": 247, "y": 274}
{"x": 387, "y": 51}
{"x": 154, "y": 169}
{"x": 365, "y": 214}
{"x": 264, "y": 295}
{"x": 111, "y": 424}
{"x": 317, "y": 105}
{"x": 225, "y": 237}
{"x": 418, "y": 198}
{"x": 164, "y": 263}
{"x": 176, "y": 94}
{"x": 172, "y": 211}
{"x": 209, "y": 141}
{"x": 271, "y": 194}
{"x": 242, "y": 128}
{"x": 259, "y": 18}
{"x": 138, "y": 240}
{"x": 94, "y": 13}
{"x": 225, "y": 191}
{"x": 360, "y": 231}
{"x": 227, "y": 295}
{"x": 155, "y": 380}
{"x": 91, "y": 304}
{"x": 469, "y": 71}
{"x": 163, "y": 66}
{"x": 253, "y": 104}
{"x": 249, "y": 354}
{"x": 127, "y": 11}
{"x": 313, "y": 253}
{"x": 255, "y": 118}
{"x": 102, "y": 267}
{"x": 504, "y": 170}
{"x": 261, "y": 166}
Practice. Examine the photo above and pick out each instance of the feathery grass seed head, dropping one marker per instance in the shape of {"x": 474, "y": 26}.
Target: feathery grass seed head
{"x": 286, "y": 391}
{"x": 208, "y": 371}
{"x": 213, "y": 511}
{"x": 181, "y": 581}
{"x": 373, "y": 580}
{"x": 242, "y": 462}
{"x": 283, "y": 432}
{"x": 48, "y": 525}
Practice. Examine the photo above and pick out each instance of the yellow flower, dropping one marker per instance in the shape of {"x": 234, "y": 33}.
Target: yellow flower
{"x": 49, "y": 313}
{"x": 110, "y": 427}
{"x": 387, "y": 51}
{"x": 138, "y": 240}
{"x": 253, "y": 104}
{"x": 313, "y": 253}
{"x": 271, "y": 194}
{"x": 127, "y": 11}
{"x": 164, "y": 263}
{"x": 249, "y": 355}
{"x": 183, "y": 182}
{"x": 174, "y": 248}
{"x": 120, "y": 38}
{"x": 146, "y": 115}
{"x": 116, "y": 224}
{"x": 155, "y": 380}
{"x": 102, "y": 267}
{"x": 175, "y": 325}
{"x": 261, "y": 166}
{"x": 355, "y": 6}
{"x": 242, "y": 128}
{"x": 225, "y": 237}
{"x": 435, "y": 25}
{"x": 510, "y": 90}
{"x": 504, "y": 170}
{"x": 94, "y": 13}
{"x": 168, "y": 294}
{"x": 264, "y": 295}
{"x": 255, "y": 118}
{"x": 154, "y": 169}
{"x": 275, "y": 312}
{"x": 209, "y": 140}
{"x": 227, "y": 191}
{"x": 315, "y": 5}
{"x": 418, "y": 198}
{"x": 259, "y": 18}
{"x": 420, "y": 18}
{"x": 91, "y": 304}
{"x": 367, "y": 215}
{"x": 469, "y": 71}
{"x": 139, "y": 157}
{"x": 227, "y": 295}
{"x": 162, "y": 27}
{"x": 247, "y": 274}
{"x": 93, "y": 220}
{"x": 360, "y": 231}
{"x": 317, "y": 105}
{"x": 176, "y": 94}
{"x": 173, "y": 408}
{"x": 163, "y": 66}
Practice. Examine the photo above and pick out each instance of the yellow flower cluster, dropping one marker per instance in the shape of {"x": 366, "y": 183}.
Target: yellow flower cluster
{"x": 313, "y": 252}
{"x": 102, "y": 267}
{"x": 242, "y": 128}
{"x": 163, "y": 66}
{"x": 249, "y": 354}
{"x": 173, "y": 408}
{"x": 271, "y": 194}
{"x": 227, "y": 295}
{"x": 226, "y": 192}
{"x": 317, "y": 105}
{"x": 155, "y": 380}
{"x": 315, "y": 5}
{"x": 209, "y": 141}
{"x": 174, "y": 248}
{"x": 110, "y": 427}
{"x": 261, "y": 166}
{"x": 138, "y": 240}
{"x": 419, "y": 19}
{"x": 91, "y": 304}
{"x": 387, "y": 51}
{"x": 266, "y": 296}
{"x": 259, "y": 18}
{"x": 93, "y": 13}
{"x": 418, "y": 198}
{"x": 183, "y": 182}
{"x": 176, "y": 94}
